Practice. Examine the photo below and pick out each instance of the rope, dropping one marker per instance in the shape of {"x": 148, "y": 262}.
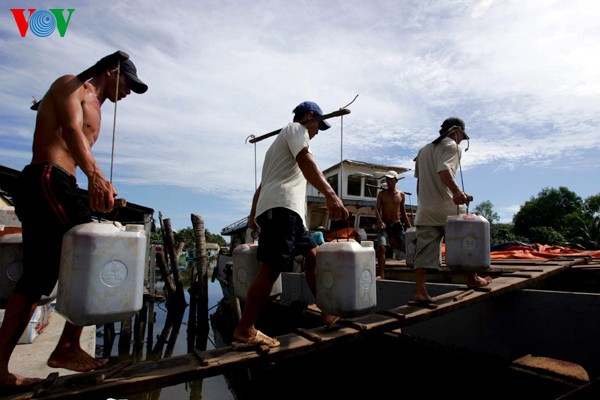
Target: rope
{"x": 346, "y": 106}
{"x": 341, "y": 156}
{"x": 253, "y": 137}
{"x": 112, "y": 155}
{"x": 342, "y": 162}
{"x": 114, "y": 129}
{"x": 462, "y": 182}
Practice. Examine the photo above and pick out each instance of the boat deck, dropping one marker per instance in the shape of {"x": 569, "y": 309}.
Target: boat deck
{"x": 128, "y": 378}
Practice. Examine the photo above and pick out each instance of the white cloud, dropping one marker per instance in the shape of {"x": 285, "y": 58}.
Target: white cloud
{"x": 523, "y": 75}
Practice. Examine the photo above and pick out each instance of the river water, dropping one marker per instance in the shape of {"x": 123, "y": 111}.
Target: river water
{"x": 214, "y": 388}
{"x": 389, "y": 367}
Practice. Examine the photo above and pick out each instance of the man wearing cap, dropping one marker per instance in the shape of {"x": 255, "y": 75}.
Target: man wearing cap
{"x": 391, "y": 215}
{"x": 48, "y": 204}
{"x": 278, "y": 213}
{"x": 439, "y": 196}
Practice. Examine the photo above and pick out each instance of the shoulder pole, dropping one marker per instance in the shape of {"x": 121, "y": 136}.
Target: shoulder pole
{"x": 338, "y": 113}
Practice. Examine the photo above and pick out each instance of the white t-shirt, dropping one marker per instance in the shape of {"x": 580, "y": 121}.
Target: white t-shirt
{"x": 282, "y": 183}
{"x": 434, "y": 198}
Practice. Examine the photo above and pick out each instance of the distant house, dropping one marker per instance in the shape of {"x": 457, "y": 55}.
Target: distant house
{"x": 358, "y": 182}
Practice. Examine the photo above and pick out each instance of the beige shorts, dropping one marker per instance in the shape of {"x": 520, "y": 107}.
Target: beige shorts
{"x": 428, "y": 250}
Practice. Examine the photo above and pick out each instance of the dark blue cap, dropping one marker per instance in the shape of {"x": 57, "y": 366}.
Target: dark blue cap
{"x": 309, "y": 106}
{"x": 130, "y": 72}
{"x": 447, "y": 125}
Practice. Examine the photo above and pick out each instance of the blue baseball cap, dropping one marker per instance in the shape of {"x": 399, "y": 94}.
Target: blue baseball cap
{"x": 130, "y": 72}
{"x": 309, "y": 106}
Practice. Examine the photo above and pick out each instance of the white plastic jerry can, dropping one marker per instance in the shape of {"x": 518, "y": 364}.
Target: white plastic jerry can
{"x": 245, "y": 269}
{"x": 101, "y": 276}
{"x": 11, "y": 263}
{"x": 346, "y": 278}
{"x": 11, "y": 267}
{"x": 468, "y": 243}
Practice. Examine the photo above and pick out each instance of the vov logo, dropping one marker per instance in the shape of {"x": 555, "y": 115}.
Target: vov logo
{"x": 42, "y": 22}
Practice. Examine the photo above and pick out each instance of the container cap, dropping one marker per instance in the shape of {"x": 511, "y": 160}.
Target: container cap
{"x": 134, "y": 228}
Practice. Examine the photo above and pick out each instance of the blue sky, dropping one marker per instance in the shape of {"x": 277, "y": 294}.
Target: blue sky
{"x": 523, "y": 75}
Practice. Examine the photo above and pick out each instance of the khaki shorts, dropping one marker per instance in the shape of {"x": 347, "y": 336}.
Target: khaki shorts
{"x": 428, "y": 250}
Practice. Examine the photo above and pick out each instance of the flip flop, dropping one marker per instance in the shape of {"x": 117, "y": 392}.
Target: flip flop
{"x": 8, "y": 389}
{"x": 260, "y": 339}
{"x": 425, "y": 304}
{"x": 332, "y": 322}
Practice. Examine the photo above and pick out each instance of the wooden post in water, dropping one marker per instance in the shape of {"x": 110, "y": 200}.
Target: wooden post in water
{"x": 152, "y": 271}
{"x": 233, "y": 300}
{"x": 202, "y": 264}
{"x": 139, "y": 330}
{"x": 161, "y": 259}
{"x": 170, "y": 247}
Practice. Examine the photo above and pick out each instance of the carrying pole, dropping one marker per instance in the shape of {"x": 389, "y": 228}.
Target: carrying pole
{"x": 319, "y": 118}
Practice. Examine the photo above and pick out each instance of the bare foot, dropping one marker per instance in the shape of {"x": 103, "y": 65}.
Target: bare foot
{"x": 329, "y": 320}
{"x": 421, "y": 294}
{"x": 244, "y": 336}
{"x": 476, "y": 281}
{"x": 18, "y": 381}
{"x": 77, "y": 360}
{"x": 423, "y": 298}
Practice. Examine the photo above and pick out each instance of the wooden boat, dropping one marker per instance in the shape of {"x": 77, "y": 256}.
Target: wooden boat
{"x": 545, "y": 334}
{"x": 506, "y": 324}
{"x": 507, "y": 328}
{"x": 492, "y": 335}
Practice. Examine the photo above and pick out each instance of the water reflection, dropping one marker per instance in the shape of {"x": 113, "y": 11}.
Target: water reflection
{"x": 162, "y": 331}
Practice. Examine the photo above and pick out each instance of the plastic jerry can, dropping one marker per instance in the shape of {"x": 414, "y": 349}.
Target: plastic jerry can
{"x": 346, "y": 278}
{"x": 11, "y": 263}
{"x": 101, "y": 276}
{"x": 468, "y": 243}
{"x": 11, "y": 267}
{"x": 245, "y": 269}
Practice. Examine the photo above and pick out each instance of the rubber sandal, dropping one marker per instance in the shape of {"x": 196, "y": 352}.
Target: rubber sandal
{"x": 260, "y": 339}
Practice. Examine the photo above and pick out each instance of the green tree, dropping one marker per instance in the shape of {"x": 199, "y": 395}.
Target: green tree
{"x": 505, "y": 233}
{"x": 186, "y": 236}
{"x": 586, "y": 233}
{"x": 555, "y": 209}
{"x": 486, "y": 210}
{"x": 592, "y": 205}
{"x": 559, "y": 217}
{"x": 546, "y": 235}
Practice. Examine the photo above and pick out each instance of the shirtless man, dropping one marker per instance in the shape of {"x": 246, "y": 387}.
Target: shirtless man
{"x": 48, "y": 205}
{"x": 391, "y": 214}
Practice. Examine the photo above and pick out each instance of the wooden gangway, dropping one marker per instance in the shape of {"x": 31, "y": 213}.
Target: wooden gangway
{"x": 130, "y": 378}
